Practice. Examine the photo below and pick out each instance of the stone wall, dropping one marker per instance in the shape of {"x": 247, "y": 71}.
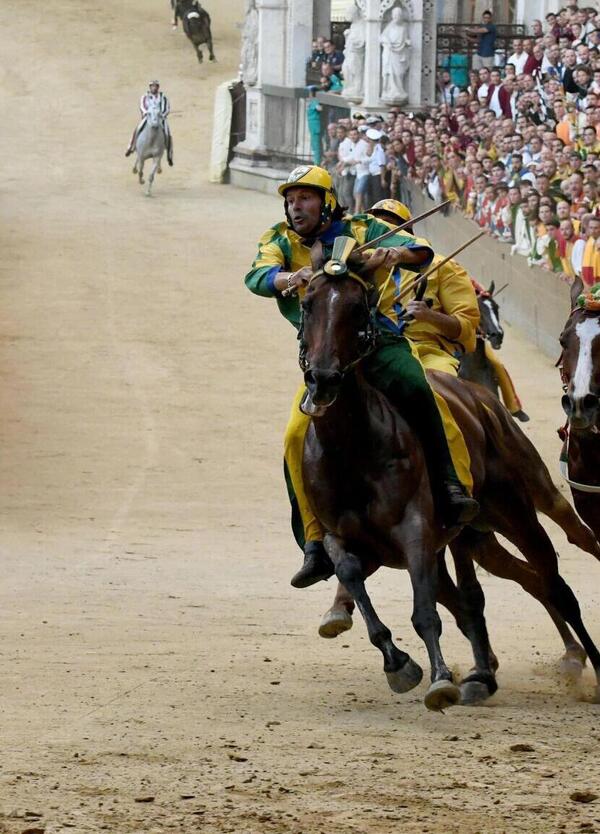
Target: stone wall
{"x": 536, "y": 302}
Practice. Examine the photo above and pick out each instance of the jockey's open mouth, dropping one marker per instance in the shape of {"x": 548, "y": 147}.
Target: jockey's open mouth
{"x": 302, "y": 222}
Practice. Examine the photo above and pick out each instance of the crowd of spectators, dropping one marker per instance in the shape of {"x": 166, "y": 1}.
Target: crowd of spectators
{"x": 516, "y": 149}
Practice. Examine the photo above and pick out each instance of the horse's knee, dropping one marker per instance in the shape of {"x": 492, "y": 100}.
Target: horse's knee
{"x": 348, "y": 570}
{"x": 426, "y": 619}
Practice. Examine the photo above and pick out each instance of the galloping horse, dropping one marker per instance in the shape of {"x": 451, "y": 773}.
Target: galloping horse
{"x": 580, "y": 368}
{"x": 150, "y": 144}
{"x": 367, "y": 483}
{"x": 196, "y": 25}
{"x": 476, "y": 366}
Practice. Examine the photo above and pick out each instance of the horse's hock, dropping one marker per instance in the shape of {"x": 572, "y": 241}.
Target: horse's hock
{"x": 535, "y": 301}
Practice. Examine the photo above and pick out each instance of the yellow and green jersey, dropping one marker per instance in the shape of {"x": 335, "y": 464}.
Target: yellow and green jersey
{"x": 282, "y": 249}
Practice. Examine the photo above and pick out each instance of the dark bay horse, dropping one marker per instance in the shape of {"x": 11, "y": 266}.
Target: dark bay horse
{"x": 196, "y": 25}
{"x": 580, "y": 368}
{"x": 476, "y": 366}
{"x": 367, "y": 483}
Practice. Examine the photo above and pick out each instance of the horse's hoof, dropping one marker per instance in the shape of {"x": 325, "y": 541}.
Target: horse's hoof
{"x": 596, "y": 695}
{"x": 571, "y": 666}
{"x": 406, "y": 678}
{"x": 159, "y": 171}
{"x": 335, "y": 623}
{"x": 134, "y": 169}
{"x": 473, "y": 693}
{"x": 441, "y": 695}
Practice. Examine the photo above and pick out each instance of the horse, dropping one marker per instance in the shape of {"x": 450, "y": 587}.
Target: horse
{"x": 367, "y": 483}
{"x": 580, "y": 371}
{"x": 196, "y": 25}
{"x": 150, "y": 144}
{"x": 476, "y": 367}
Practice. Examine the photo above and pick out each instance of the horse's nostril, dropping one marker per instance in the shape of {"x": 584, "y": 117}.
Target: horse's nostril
{"x": 309, "y": 378}
{"x": 567, "y": 405}
{"x": 590, "y": 402}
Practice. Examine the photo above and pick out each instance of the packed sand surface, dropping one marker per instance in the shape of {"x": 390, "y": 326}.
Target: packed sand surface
{"x": 158, "y": 671}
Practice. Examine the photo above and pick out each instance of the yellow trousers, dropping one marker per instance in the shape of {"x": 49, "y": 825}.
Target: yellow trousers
{"x": 507, "y": 389}
{"x": 435, "y": 358}
{"x": 298, "y": 425}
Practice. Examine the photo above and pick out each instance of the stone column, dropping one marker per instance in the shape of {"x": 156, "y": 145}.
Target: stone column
{"x": 299, "y": 43}
{"x": 321, "y": 18}
{"x": 372, "y": 53}
{"x": 272, "y": 43}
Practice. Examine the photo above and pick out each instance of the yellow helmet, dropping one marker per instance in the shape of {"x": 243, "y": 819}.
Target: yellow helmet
{"x": 312, "y": 176}
{"x": 394, "y": 207}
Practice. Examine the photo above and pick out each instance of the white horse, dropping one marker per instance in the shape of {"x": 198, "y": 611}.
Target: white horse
{"x": 150, "y": 144}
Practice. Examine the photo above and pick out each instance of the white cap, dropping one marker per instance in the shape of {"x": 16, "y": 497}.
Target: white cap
{"x": 362, "y": 128}
{"x": 374, "y": 134}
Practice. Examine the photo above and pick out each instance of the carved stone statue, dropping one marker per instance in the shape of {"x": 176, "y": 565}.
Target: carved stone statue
{"x": 249, "y": 65}
{"x": 353, "y": 68}
{"x": 395, "y": 58}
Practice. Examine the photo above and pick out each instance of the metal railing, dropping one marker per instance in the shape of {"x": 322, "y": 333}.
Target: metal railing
{"x": 455, "y": 50}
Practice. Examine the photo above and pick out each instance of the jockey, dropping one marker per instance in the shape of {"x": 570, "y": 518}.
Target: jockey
{"x": 283, "y": 262}
{"x": 446, "y": 320}
{"x": 153, "y": 99}
{"x": 449, "y": 325}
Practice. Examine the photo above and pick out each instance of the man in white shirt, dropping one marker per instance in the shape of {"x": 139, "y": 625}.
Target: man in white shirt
{"x": 519, "y": 57}
{"x": 347, "y": 167}
{"x": 377, "y": 162}
{"x": 361, "y": 157}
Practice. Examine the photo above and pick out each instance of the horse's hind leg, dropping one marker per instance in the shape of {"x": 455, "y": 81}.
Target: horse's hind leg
{"x": 525, "y": 531}
{"x": 199, "y": 54}
{"x": 140, "y": 165}
{"x": 339, "y": 617}
{"x": 152, "y": 175}
{"x": 494, "y": 558}
{"x": 402, "y": 673}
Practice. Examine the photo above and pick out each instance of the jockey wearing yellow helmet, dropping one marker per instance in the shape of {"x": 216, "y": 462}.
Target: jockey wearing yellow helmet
{"x": 283, "y": 262}
{"x": 445, "y": 322}
{"x": 449, "y": 326}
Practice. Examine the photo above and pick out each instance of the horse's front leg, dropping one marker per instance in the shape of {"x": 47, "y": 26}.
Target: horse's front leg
{"x": 140, "y": 170}
{"x": 401, "y": 671}
{"x": 211, "y": 54}
{"x": 155, "y": 168}
{"x": 413, "y": 538}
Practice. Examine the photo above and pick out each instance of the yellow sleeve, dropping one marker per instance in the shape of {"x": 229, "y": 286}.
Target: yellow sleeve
{"x": 457, "y": 297}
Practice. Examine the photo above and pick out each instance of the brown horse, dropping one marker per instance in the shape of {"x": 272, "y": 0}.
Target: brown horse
{"x": 580, "y": 368}
{"x": 367, "y": 482}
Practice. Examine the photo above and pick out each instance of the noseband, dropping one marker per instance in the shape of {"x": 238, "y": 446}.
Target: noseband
{"x": 367, "y": 337}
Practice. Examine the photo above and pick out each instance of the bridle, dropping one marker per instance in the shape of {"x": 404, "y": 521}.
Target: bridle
{"x": 564, "y": 431}
{"x": 368, "y": 337}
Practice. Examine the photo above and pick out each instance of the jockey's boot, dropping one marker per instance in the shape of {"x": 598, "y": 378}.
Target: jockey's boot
{"x": 457, "y": 506}
{"x": 129, "y": 151}
{"x": 317, "y": 566}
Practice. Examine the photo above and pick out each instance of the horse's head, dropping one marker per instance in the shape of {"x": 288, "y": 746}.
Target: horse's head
{"x": 580, "y": 341}
{"x": 155, "y": 118}
{"x": 489, "y": 312}
{"x": 337, "y": 330}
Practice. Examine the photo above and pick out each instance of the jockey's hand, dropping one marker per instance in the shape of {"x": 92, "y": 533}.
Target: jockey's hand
{"x": 384, "y": 257}
{"x": 301, "y": 278}
{"x": 420, "y": 311}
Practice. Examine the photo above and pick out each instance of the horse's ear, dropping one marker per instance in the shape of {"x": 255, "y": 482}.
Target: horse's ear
{"x": 316, "y": 256}
{"x": 576, "y": 290}
{"x": 492, "y": 287}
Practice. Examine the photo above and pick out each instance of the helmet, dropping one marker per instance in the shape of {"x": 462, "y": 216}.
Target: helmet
{"x": 154, "y": 81}
{"x": 395, "y": 207}
{"x": 311, "y": 176}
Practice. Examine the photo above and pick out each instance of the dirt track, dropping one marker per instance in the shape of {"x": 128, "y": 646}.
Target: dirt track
{"x": 151, "y": 645}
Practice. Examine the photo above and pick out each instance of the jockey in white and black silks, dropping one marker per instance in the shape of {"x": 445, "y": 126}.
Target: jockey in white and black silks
{"x": 153, "y": 99}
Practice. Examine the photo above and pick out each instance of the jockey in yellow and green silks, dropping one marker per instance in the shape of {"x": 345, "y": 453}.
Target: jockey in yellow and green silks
{"x": 283, "y": 261}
